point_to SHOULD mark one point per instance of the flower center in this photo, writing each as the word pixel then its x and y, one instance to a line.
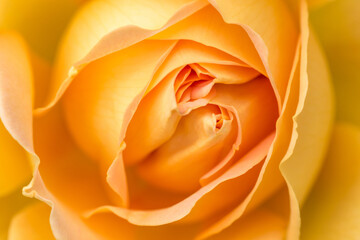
pixel 193 88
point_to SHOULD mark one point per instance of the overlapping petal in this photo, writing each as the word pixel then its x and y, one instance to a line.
pixel 16 98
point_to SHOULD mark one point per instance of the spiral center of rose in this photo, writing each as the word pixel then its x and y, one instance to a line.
pixel 189 124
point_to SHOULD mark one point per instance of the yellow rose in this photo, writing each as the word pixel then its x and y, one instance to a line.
pixel 174 120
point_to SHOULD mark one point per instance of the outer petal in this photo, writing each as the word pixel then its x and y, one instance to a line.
pixel 103 25
pixel 41 22
pixel 15 112
pixel 14 164
pixel 332 210
pixel 16 89
pixel 31 223
pixel 273 31
pixel 312 125
pixel 337 25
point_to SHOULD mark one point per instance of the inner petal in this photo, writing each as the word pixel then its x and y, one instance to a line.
pixel 194 89
pixel 192 151
pixel 256 107
pixel 95 103
pixel 153 123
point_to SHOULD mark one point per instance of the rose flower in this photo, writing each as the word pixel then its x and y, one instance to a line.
pixel 186 119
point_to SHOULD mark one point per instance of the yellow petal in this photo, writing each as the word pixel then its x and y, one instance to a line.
pixel 207 27
pixel 99 29
pixel 337 27
pixel 208 199
pixel 156 118
pixel 15 112
pixel 96 102
pixel 260 224
pixel 192 151
pixel 16 89
pixel 72 180
pixel 31 223
pixel 273 31
pixel 332 209
pixel 15 168
pixel 41 22
pixel 312 125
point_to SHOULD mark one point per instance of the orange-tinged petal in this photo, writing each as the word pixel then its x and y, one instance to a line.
pixel 272 29
pixel 193 150
pixel 16 89
pixel 15 112
pixel 208 28
pixel 231 74
pixel 256 120
pixel 73 183
pixel 15 167
pixel 197 206
pixel 332 208
pixel 260 224
pixel 31 223
pixel 189 52
pixel 270 178
pixel 153 110
pixel 104 32
pixel 96 102
pixel 154 121
pixel 314 114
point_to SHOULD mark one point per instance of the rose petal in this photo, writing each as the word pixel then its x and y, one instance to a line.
pixel 107 35
pixel 230 74
pixel 31 223
pixel 273 31
pixel 193 150
pixel 16 90
pixel 270 178
pixel 197 205
pixel 154 121
pixel 256 120
pixel 15 168
pixel 314 113
pixel 332 209
pixel 96 102
pixel 208 28
pixel 15 112
pixel 260 224
pixel 72 180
